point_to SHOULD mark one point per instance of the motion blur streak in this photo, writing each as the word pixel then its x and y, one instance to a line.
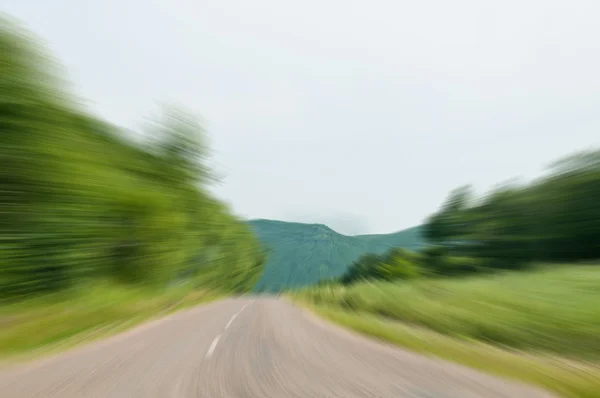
pixel 81 204
pixel 101 229
pixel 272 349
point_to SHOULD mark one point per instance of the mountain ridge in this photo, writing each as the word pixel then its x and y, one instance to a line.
pixel 302 254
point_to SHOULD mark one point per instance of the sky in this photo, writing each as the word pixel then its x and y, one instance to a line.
pixel 361 115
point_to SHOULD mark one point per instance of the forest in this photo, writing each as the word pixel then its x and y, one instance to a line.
pixel 552 219
pixel 84 201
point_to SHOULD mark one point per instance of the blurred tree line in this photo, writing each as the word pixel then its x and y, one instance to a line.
pixel 395 264
pixel 555 218
pixel 81 202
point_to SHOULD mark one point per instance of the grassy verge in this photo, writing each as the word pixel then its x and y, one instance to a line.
pixel 540 327
pixel 54 323
pixel 550 310
pixel 565 377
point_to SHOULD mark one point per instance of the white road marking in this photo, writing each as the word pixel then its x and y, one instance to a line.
pixel 231 321
pixel 213 346
pixel 235 315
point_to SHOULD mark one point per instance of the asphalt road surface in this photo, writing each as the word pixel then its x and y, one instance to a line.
pixel 252 348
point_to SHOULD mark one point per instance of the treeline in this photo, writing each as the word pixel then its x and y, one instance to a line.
pixel 406 264
pixel 81 202
pixel 395 264
pixel 555 218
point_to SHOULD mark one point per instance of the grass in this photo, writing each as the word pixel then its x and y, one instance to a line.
pixel 540 327
pixel 551 310
pixel 53 323
pixel 566 378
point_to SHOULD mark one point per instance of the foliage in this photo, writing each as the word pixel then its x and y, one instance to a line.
pixel 555 218
pixel 438 261
pixel 303 254
pixel 81 201
pixel 554 310
pixel 395 264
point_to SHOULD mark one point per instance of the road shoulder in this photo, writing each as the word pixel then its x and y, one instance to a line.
pixel 558 375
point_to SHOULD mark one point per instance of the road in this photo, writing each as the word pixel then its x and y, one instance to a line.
pixel 252 348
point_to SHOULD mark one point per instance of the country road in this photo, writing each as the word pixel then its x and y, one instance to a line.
pixel 252 348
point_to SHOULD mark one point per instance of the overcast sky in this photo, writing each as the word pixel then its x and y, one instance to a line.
pixel 358 114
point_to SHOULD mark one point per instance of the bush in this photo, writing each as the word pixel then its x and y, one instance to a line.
pixel 398 268
pixel 438 260
pixel 396 264
pixel 454 265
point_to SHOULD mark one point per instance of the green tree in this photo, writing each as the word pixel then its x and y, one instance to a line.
pixel 81 202
pixel 554 218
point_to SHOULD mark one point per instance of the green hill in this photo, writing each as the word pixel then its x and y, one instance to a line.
pixel 411 239
pixel 303 254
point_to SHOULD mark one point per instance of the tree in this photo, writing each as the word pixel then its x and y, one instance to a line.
pixel 81 202
pixel 448 223
pixel 554 218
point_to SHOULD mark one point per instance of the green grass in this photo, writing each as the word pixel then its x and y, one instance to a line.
pixel 304 254
pixel 563 377
pixel 541 327
pixel 552 310
pixel 53 323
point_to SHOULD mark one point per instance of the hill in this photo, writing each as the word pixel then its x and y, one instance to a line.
pixel 303 254
pixel 410 238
